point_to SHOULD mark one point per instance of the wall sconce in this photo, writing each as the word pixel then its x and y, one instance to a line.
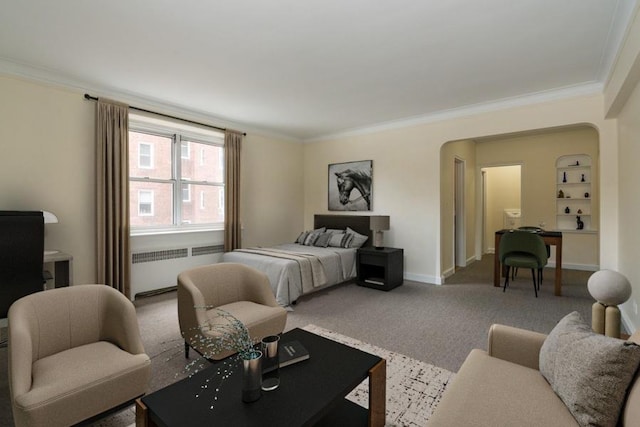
pixel 49 218
pixel 378 223
pixel 609 288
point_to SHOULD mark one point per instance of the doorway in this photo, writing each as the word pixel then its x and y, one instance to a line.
pixel 501 198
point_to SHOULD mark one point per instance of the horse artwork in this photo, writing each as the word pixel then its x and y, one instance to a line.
pixel 344 178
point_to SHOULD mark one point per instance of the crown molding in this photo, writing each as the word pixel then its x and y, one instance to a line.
pixel 56 79
pixel 53 78
pixel 590 88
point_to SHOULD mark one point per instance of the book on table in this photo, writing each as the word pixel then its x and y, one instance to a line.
pixel 292 352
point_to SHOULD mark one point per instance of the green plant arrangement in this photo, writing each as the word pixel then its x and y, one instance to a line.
pixel 229 334
pixel 224 332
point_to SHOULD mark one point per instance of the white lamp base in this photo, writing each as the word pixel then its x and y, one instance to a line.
pixel 378 239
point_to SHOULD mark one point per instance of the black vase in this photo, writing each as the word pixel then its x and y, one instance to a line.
pixel 580 223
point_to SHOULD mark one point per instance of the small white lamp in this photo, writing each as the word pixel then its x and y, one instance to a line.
pixel 378 223
pixel 49 218
pixel 609 288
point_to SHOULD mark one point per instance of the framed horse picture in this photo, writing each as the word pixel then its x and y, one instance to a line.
pixel 350 186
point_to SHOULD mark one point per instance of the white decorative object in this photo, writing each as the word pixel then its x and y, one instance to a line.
pixel 610 289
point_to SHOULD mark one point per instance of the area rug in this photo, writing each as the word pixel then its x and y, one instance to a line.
pixel 414 388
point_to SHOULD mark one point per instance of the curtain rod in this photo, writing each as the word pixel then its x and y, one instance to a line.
pixel 95 98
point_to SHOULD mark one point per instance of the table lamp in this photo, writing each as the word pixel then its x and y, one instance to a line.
pixel 609 288
pixel 49 218
pixel 378 223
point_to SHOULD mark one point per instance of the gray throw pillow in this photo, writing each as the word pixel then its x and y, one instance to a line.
pixel 358 239
pixel 588 371
pixel 323 240
pixel 301 237
pixel 340 240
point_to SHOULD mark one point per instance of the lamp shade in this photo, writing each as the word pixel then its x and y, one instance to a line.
pixel 609 287
pixel 49 218
pixel 379 222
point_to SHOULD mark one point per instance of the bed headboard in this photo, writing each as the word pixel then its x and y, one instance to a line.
pixel 359 223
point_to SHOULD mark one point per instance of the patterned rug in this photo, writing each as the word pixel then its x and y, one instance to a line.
pixel 414 388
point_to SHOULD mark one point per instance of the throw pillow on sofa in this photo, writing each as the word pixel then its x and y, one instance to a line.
pixel 588 371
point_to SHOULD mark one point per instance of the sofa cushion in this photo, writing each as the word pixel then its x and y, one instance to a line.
pixel 491 392
pixel 64 385
pixel 589 372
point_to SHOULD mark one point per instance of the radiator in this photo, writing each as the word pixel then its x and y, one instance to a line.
pixel 157 269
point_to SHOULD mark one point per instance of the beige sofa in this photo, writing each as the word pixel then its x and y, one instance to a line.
pixel 504 387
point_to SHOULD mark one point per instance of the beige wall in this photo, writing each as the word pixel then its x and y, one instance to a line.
pixel 47 162
pixel 502 186
pixel 272 191
pixel 622 95
pixel 465 151
pixel 629 128
pixel 407 173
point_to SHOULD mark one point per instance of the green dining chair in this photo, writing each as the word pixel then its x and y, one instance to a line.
pixel 523 249
pixel 532 229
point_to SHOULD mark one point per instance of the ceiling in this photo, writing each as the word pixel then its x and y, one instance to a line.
pixel 307 69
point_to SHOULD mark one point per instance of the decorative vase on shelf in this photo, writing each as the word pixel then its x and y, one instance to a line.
pixel 564 177
pixel 567 210
pixel 582 178
pixel 560 194
pixel 586 195
pixel 580 223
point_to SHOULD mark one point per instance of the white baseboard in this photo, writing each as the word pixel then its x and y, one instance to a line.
pixel 423 278
pixel 581 267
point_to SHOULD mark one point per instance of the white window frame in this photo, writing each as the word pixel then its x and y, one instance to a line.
pixel 178 133
pixel 202 204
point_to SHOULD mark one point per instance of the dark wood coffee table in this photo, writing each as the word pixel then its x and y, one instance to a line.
pixel 311 392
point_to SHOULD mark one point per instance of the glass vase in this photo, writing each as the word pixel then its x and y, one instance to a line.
pixel 252 377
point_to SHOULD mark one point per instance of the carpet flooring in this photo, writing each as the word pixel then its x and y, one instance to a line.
pixel 437 325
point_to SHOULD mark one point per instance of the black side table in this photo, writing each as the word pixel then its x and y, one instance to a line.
pixel 380 268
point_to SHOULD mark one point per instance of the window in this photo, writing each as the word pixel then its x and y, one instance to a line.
pixel 186 193
pixel 184 150
pixel 145 155
pixel 145 202
pixel 164 177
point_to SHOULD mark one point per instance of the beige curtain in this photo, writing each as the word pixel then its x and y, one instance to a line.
pixel 232 227
pixel 112 192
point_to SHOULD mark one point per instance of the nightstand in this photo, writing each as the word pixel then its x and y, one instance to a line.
pixel 380 268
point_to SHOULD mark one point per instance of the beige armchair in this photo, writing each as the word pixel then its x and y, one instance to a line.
pixel 240 290
pixel 74 353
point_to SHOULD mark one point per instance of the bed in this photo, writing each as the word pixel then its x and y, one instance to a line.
pixel 296 269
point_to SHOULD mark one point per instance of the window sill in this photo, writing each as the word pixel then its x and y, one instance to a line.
pixel 174 230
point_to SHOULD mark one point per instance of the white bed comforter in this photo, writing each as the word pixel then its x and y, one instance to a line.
pixel 287 280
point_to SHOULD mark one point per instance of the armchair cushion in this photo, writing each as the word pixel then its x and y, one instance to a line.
pixel 589 372
pixel 240 290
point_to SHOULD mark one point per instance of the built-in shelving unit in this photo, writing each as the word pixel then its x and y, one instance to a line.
pixel 573 193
